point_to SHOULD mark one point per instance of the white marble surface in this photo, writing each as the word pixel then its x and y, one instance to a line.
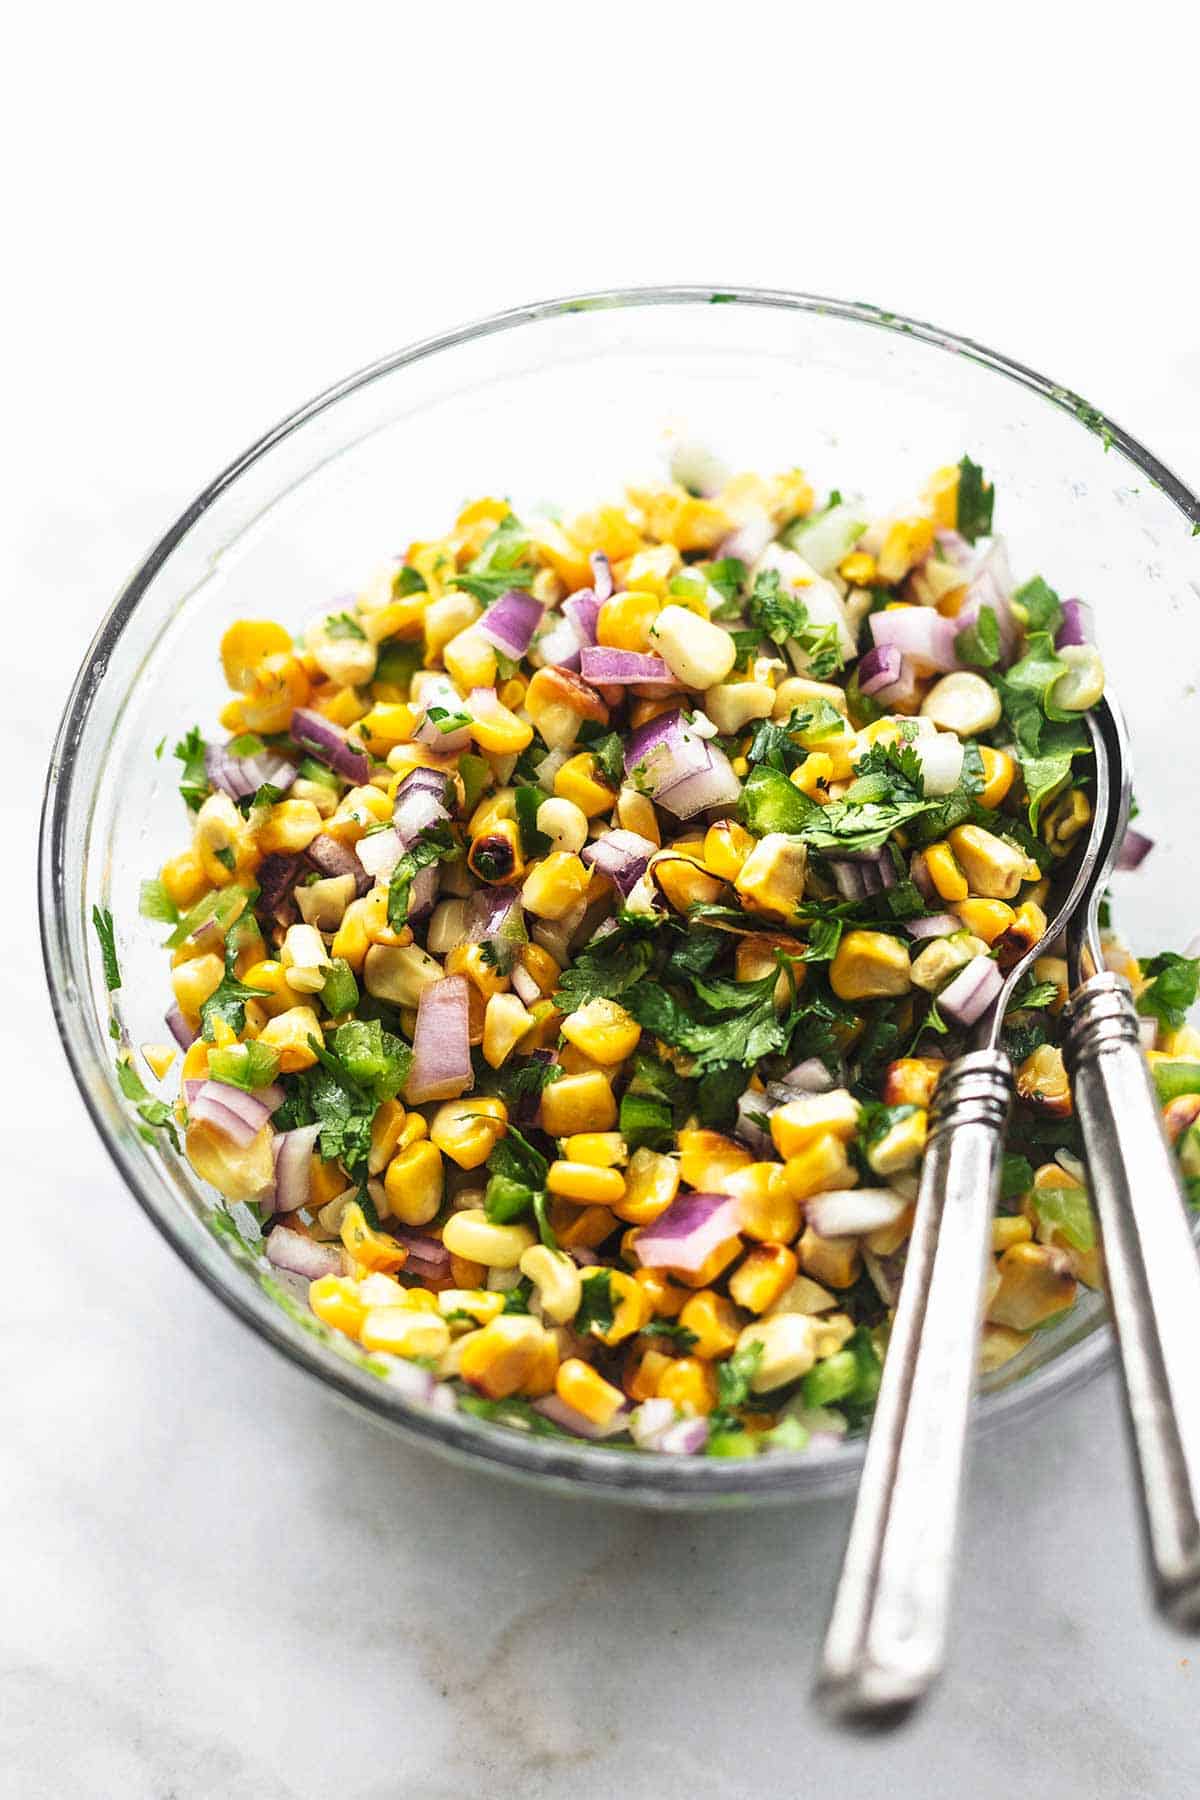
pixel 216 1584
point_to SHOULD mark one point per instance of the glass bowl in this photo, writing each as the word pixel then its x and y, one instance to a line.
pixel 567 401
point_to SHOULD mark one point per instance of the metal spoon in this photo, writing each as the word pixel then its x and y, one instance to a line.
pixel 886 1639
pixel 1152 1270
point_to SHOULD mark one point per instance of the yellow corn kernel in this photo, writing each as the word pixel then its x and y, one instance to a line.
pixel 326 1182
pixel 466 1273
pixel 350 940
pixel 991 867
pixel 404 1331
pixel 1042 1081
pixel 651 1183
pixel 578 1103
pixel 387 723
pixel 999 769
pixel 245 644
pixel 269 977
pixel 290 825
pixel 763 1278
pixel 911 1080
pixel 336 1301
pixel 630 1305
pixel 481 1304
pixel 766 1210
pixel 858 568
pixel 1035 1283
pixel 870 965
pixel 223 1034
pixel 585 1182
pixel 998 1345
pixel 1009 1231
pixel 834 1262
pixel 644 1368
pixel 690 1384
pixel 345 706
pixel 945 873
pixel 540 966
pixel 159 1058
pixel 986 919
pixel 940 494
pixel 183 878
pixel 506 1024
pixel 819 1169
pixel 387 1127
pixel 800 1122
pixel 1027 929
pixel 501 1358
pixel 472 1234
pixel 603 1030
pixel 707 1159
pixel 772 877
pixel 413 1183
pixel 602 1149
pixel 814 776
pixel 502 732
pixel 195 980
pixel 906 542
pixel 578 782
pixel 546 1021
pixel 578 1385
pixel 683 880
pixel 555 886
pixel 713 1321
pixel 726 847
pixel 557 1280
pixel 468 1130
pixel 580 1227
pixel 470 660
pixel 901 1146
pixel 357 811
pixel 635 812
pixel 373 1249
pixel 468 960
pixel 289 1033
pixel 624 621
pixel 665 1299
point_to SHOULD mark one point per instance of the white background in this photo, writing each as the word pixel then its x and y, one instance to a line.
pixel 213 1581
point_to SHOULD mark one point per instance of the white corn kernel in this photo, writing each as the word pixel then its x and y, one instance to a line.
pixel 734 703
pixel 564 823
pixel 471 1234
pixel 447 926
pixel 963 703
pixel 697 652
pixel 557 1280
pixel 305 959
pixel 1083 683
pixel 788 1342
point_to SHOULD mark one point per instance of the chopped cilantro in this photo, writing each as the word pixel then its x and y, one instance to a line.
pixel 193 784
pixel 978 644
pixel 155 1115
pixel 227 1002
pixel 1033 995
pixel 341 625
pixel 783 617
pixel 503 563
pixel 1172 988
pixel 607 967
pixel 975 502
pixel 407 581
pixel 519 1414
pixel 1016 1176
pixel 533 842
pixel 596 1310
pixel 672 1332
pixel 102 919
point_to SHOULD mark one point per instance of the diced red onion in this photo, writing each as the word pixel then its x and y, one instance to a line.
pixel 850 1212
pixel 413 1382
pixel 717 785
pixel 419 804
pixel 424 890
pixel 291 1250
pixel 935 926
pixel 379 852
pixel 649 1421
pixel 238 1114
pixel 621 668
pixel 441 1066
pixel 693 1226
pixel 902 695
pixel 559 1413
pixel 686 1438
pixel 848 878
pixel 751 1107
pixel 331 858
pixel 227 772
pixel 879 668
pixel 328 744
pixel 811 1076
pixel 179 1028
pixel 972 991
pixel 442 1398
pixel 991 585
pixel 1078 625
pixel 748 540
pixel 921 634
pixel 955 548
pixel 426 1255
pixel 664 751
pixel 583 609
pixel 510 622
pixel 560 645
pixel 621 855
pixel 293 1167
pixel 602 580
pixel 524 986
pixel 1135 848
pixel 487 913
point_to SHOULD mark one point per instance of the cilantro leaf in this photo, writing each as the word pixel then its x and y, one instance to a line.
pixel 672 1332
pixel 607 967
pixel 102 919
pixel 503 563
pixel 155 1115
pixel 734 1023
pixel 1033 995
pixel 596 1310
pixel 1040 606
pixel 783 617
pixel 975 502
pixel 1172 990
pixel 341 625
pixel 408 581
pixel 979 643
pixel 1016 1176
pixel 228 1002
pixel 193 784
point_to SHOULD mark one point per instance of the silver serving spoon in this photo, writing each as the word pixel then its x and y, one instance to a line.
pixel 1152 1270
pixel 887 1634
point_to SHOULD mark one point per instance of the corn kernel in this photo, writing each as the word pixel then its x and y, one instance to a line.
pixel 945 873
pixel 468 1130
pixel 413 1183
pixel 766 1210
pixel 834 1262
pixel 651 1183
pixel 502 1358
pixel 586 1183
pixel 690 1384
pixel 603 1149
pixel 578 782
pixel 578 1385
pixel 999 770
pixel 578 1103
pixel 814 776
pixel 764 1277
pixel 819 1168
pixel 373 1249
pixel 580 1227
pixel 336 1302
pixel 726 847
pixel 291 825
pixel 603 1030
pixel 800 1122
pixel 289 1032
pixel 404 1331
pixel 183 878
pixel 870 965
pixel 712 1320
pixel 665 1299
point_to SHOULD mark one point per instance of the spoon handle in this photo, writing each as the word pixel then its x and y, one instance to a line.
pixel 886 1638
pixel 1153 1277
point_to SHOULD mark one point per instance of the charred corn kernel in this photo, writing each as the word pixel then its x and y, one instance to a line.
pixel 579 782
pixel 697 652
pixel 901 1146
pixel 1027 929
pixel 991 867
pixel 651 1183
pixel 413 1183
pixel 603 1030
pixel 373 1249
pixel 336 1301
pixel 1042 1081
pixel 999 769
pixel 814 775
pixel 635 812
pixel 501 731
pixel 624 621
pixel 870 965
pixel 665 1299
pixel 800 1122
pixel 557 1280
pixel 578 1385
pixel 554 886
pixel 404 1331
pixel 291 825
pixel 399 974
pixel 194 981
pixel 1009 1231
pixel 690 1384
pixel 472 1234
pixel 819 1168
pixel 505 1024
pixel 945 873
pixel 834 1262
pixel 586 1183
pixel 859 568
pixel 495 855
pixel 772 877
pixel 713 1321
pixel 602 1149
pixel 501 1359
pixel 470 660
pixel 726 847
pixel 467 1131
pixel 766 1209
pixel 911 1080
pixel 707 1158
pixel 762 1278
pixel 985 919
pixel 578 1103
pixel 788 1350
pixel 480 1304
pixel 184 878
pixel 1035 1283
pixel 580 1227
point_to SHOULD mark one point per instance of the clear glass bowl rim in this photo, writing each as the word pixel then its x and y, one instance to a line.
pixel 554 1463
